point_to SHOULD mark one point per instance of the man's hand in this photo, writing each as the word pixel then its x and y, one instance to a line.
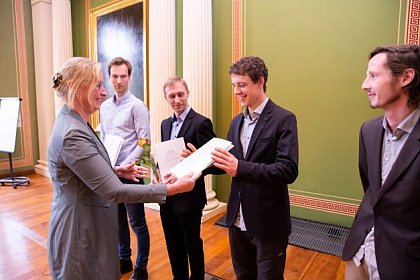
pixel 225 161
pixel 169 178
pixel 187 152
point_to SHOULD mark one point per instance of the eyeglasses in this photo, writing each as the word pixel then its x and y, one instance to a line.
pixel 100 85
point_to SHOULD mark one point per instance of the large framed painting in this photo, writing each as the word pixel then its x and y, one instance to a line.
pixel 120 29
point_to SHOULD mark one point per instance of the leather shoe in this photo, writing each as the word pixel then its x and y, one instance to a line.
pixel 125 266
pixel 140 273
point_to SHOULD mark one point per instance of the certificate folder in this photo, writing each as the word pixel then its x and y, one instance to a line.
pixel 113 145
pixel 168 154
pixel 200 159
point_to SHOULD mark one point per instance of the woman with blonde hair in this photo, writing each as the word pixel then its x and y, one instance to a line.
pixel 83 229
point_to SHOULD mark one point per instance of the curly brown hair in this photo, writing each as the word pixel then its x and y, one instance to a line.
pixel 252 66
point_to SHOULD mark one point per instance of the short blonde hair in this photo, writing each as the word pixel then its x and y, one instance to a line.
pixel 75 73
pixel 172 80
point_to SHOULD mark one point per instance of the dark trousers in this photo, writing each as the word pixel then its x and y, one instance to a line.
pixel 138 223
pixel 253 258
pixel 183 241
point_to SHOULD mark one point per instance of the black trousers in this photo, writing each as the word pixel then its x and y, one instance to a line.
pixel 183 241
pixel 253 258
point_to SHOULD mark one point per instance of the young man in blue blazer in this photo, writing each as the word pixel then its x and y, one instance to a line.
pixel 263 161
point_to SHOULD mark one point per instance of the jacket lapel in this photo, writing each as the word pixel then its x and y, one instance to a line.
pixel 101 148
pixel 166 128
pixel 407 154
pixel 236 135
pixel 100 145
pixel 374 158
pixel 264 118
pixel 186 123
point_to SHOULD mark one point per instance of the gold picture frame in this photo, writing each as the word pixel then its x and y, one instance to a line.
pixel 119 28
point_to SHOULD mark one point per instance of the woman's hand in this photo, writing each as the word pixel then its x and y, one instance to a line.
pixel 132 171
pixel 183 184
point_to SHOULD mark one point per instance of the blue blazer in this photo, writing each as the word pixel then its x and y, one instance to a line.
pixel 271 163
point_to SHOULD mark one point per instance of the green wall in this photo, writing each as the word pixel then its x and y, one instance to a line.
pixel 317 56
pixel 79 23
pixel 31 84
pixel 9 76
pixel 179 37
pixel 8 56
pixel 222 58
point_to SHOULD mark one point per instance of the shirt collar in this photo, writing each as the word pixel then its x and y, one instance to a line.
pixel 257 112
pixel 123 98
pixel 407 125
pixel 182 116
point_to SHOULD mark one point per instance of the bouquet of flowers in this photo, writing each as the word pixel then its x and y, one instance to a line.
pixel 146 157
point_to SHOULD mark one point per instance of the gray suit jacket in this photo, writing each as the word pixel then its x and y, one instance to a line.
pixel 83 230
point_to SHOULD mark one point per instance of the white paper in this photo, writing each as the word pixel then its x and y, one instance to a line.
pixel 168 154
pixel 9 112
pixel 200 159
pixel 113 145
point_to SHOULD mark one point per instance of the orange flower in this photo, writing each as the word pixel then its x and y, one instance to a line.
pixel 146 158
pixel 143 141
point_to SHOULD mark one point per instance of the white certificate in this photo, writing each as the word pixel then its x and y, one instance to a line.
pixel 113 145
pixel 200 159
pixel 168 154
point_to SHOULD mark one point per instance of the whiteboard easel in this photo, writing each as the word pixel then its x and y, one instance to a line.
pixel 9 113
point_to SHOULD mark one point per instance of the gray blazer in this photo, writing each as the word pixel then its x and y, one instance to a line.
pixel 83 230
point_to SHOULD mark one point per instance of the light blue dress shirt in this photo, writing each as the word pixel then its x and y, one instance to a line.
pixel 177 122
pixel 128 118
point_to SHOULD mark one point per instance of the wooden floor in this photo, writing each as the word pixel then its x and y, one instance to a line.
pixel 24 215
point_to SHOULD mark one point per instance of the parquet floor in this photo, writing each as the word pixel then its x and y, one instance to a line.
pixel 24 215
